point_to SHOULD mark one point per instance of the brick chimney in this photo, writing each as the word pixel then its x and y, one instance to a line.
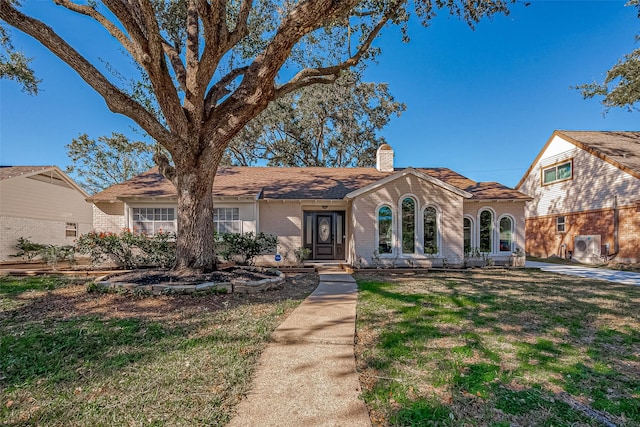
pixel 384 158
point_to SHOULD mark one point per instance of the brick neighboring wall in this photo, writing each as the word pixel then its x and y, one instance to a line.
pixel 543 240
pixel 108 217
pixel 37 230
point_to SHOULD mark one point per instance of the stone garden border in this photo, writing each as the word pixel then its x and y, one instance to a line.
pixel 234 286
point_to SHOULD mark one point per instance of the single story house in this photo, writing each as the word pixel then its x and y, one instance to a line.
pixel 361 216
pixel 585 187
pixel 41 204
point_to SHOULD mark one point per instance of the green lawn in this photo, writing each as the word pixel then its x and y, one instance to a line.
pixel 72 358
pixel 498 349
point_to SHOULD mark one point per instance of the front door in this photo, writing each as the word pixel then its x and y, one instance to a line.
pixel 324 234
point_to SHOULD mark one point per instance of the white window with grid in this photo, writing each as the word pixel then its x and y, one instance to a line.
pixel 71 229
pixel 227 220
pixel 150 221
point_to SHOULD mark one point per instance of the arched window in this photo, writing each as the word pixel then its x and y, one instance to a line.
pixel 408 225
pixel 430 231
pixel 467 230
pixel 385 230
pixel 506 234
pixel 486 231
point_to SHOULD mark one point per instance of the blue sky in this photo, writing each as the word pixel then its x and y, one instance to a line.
pixel 482 102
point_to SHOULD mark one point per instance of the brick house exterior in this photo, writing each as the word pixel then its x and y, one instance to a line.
pixel 586 191
pixel 361 216
pixel 42 204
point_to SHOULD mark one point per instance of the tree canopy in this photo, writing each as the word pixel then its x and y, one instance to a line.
pixel 335 126
pixel 108 160
pixel 621 86
pixel 214 65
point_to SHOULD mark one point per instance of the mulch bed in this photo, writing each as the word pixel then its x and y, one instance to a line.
pixel 167 277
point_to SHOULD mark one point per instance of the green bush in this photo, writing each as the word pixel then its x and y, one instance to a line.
pixel 129 250
pixel 27 249
pixel 51 254
pixel 244 248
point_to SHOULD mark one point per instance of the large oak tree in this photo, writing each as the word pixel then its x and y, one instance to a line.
pixel 213 65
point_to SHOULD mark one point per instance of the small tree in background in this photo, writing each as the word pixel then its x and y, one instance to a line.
pixel 108 160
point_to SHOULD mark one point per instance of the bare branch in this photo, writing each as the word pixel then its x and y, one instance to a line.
pixel 310 76
pixel 219 90
pixel 116 100
pixel 107 24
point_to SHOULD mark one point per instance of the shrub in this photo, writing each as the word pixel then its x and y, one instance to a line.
pixel 27 249
pixel 302 254
pixel 51 254
pixel 244 248
pixel 129 250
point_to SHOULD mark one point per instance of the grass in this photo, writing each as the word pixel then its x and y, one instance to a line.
pixel 70 358
pixel 498 349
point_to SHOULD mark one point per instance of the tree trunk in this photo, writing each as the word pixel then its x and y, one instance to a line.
pixel 195 241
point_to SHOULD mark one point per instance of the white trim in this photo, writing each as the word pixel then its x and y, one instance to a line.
pixel 513 233
pixel 493 228
pixel 438 228
pixel 129 214
pixel 405 172
pixel 417 245
pixel 394 239
pixel 473 243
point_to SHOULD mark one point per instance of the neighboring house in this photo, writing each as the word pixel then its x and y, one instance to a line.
pixel 42 204
pixel 362 216
pixel 586 191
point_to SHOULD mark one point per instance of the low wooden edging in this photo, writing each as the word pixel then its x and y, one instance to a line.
pixel 234 286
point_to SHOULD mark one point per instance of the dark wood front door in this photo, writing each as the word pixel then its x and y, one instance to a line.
pixel 324 234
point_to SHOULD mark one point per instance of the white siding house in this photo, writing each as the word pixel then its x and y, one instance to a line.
pixel 42 204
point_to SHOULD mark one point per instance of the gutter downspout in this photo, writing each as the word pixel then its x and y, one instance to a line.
pixel 616 226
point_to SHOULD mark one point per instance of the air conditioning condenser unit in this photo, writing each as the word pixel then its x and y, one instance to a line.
pixel 586 249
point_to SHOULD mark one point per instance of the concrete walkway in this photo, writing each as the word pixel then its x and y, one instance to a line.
pixel 307 374
pixel 625 277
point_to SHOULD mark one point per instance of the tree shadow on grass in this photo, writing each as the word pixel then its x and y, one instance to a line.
pixel 544 320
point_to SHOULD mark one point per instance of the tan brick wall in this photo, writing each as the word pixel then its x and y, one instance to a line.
pixel 109 217
pixel 282 219
pixel 515 210
pixel 543 240
pixel 36 230
pixel 364 221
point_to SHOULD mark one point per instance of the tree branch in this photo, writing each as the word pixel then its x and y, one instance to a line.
pixel 219 89
pixel 310 76
pixel 108 25
pixel 116 100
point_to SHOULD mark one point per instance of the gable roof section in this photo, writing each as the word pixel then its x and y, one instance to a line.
pixel 404 172
pixel 50 174
pixel 619 148
pixel 296 183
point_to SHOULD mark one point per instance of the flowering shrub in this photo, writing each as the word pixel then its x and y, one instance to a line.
pixel 129 250
pixel 244 248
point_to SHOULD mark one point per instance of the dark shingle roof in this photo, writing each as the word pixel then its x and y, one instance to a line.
pixel 618 147
pixel 282 183
pixel 7 172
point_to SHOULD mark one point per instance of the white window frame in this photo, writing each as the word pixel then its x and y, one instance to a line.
pixel 561 222
pixel 416 226
pixel 512 231
pixel 71 229
pixel 438 229
pixel 393 231
pixel 168 211
pixel 492 249
pixel 472 233
pixel 556 166
pixel 235 222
